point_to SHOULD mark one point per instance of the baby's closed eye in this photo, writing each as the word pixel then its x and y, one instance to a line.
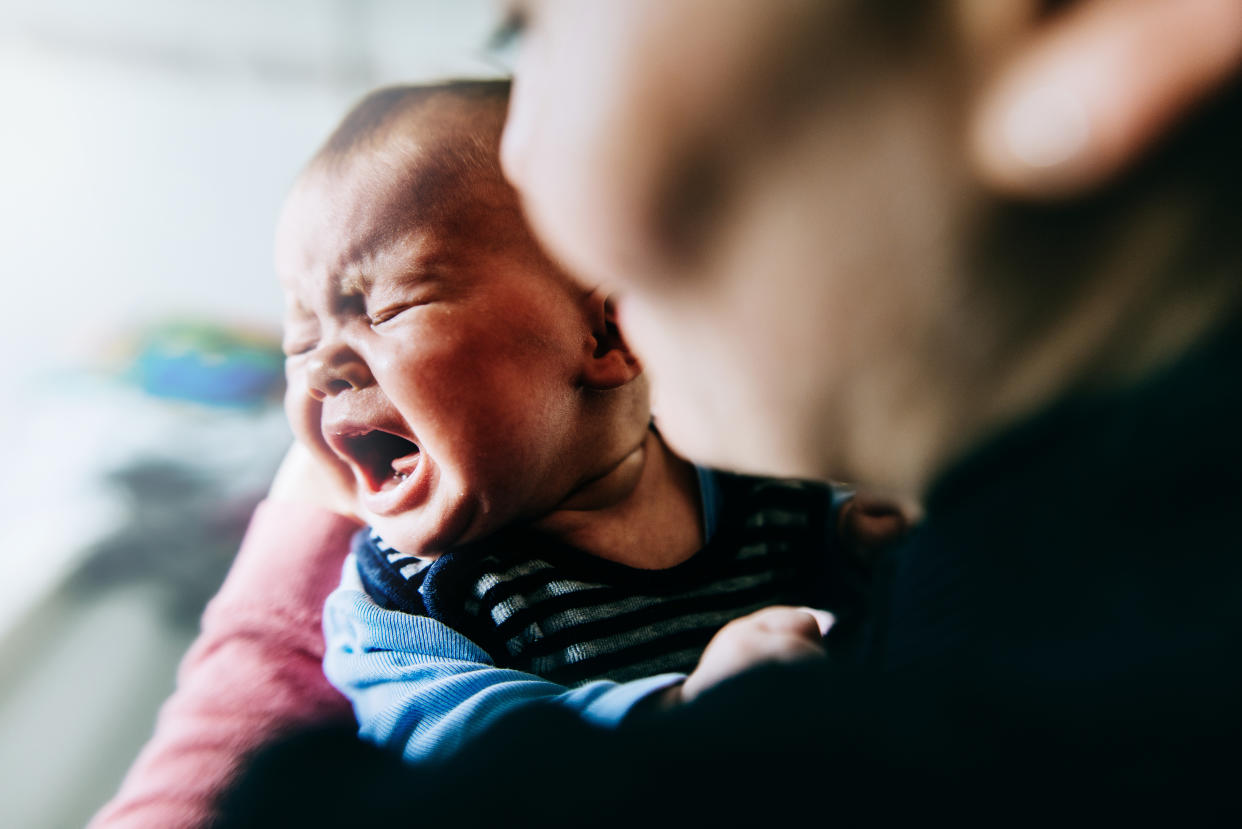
pixel 389 301
pixel 390 312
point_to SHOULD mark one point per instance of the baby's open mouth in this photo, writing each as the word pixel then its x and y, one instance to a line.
pixel 384 459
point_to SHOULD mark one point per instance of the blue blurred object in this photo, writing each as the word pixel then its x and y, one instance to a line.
pixel 208 363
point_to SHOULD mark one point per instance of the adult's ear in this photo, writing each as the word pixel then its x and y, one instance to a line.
pixel 1088 89
pixel 608 363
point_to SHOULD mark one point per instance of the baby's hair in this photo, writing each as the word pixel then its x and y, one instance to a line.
pixel 375 119
pixel 430 140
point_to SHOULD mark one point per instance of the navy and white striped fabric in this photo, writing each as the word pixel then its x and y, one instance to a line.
pixel 539 606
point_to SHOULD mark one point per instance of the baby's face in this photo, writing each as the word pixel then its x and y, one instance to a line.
pixel 433 352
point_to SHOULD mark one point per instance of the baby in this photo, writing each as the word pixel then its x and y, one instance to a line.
pixel 532 538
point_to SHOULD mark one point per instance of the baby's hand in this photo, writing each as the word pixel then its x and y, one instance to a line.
pixel 774 634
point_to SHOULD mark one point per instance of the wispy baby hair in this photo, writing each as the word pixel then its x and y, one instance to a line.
pixel 375 119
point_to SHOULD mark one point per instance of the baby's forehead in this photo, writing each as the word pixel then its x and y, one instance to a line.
pixel 437 138
pixel 408 197
pixel 434 189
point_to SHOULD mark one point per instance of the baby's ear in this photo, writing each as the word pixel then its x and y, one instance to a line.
pixel 608 361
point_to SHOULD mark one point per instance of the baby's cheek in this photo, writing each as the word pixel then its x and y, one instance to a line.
pixel 303 413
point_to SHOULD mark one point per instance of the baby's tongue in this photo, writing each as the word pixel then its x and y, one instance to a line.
pixel 405 465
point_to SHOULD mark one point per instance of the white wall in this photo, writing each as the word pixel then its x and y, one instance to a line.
pixel 146 145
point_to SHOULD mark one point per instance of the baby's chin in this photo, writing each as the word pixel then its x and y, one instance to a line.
pixel 411 540
pixel 425 532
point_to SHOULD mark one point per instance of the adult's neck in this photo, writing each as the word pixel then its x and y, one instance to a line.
pixel 974 387
pixel 642 512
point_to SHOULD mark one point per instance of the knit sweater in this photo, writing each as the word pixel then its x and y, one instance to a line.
pixel 252 674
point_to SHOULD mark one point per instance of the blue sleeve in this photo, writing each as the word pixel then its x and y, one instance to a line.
pixel 419 686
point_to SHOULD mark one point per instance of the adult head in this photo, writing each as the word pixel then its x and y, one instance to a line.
pixel 805 208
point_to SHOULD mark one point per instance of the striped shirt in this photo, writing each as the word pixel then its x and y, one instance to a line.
pixel 539 606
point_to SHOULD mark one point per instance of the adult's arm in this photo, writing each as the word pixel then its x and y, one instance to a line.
pixel 419 687
pixel 253 673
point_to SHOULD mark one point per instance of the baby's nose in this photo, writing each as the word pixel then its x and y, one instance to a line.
pixel 336 369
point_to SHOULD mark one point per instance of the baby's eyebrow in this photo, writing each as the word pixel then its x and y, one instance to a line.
pixel 417 256
pixel 347 287
pixel 354 282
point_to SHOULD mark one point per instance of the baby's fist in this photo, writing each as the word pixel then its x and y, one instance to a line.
pixel 774 634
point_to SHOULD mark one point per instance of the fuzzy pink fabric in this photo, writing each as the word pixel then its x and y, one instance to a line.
pixel 253 673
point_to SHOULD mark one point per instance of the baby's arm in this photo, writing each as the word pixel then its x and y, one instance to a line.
pixel 419 686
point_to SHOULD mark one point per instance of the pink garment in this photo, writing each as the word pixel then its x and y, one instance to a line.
pixel 254 672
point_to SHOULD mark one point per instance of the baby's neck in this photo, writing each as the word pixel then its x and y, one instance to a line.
pixel 644 512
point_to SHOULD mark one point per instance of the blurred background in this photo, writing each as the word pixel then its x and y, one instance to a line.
pixel 145 147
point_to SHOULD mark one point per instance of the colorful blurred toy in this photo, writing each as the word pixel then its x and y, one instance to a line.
pixel 207 363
